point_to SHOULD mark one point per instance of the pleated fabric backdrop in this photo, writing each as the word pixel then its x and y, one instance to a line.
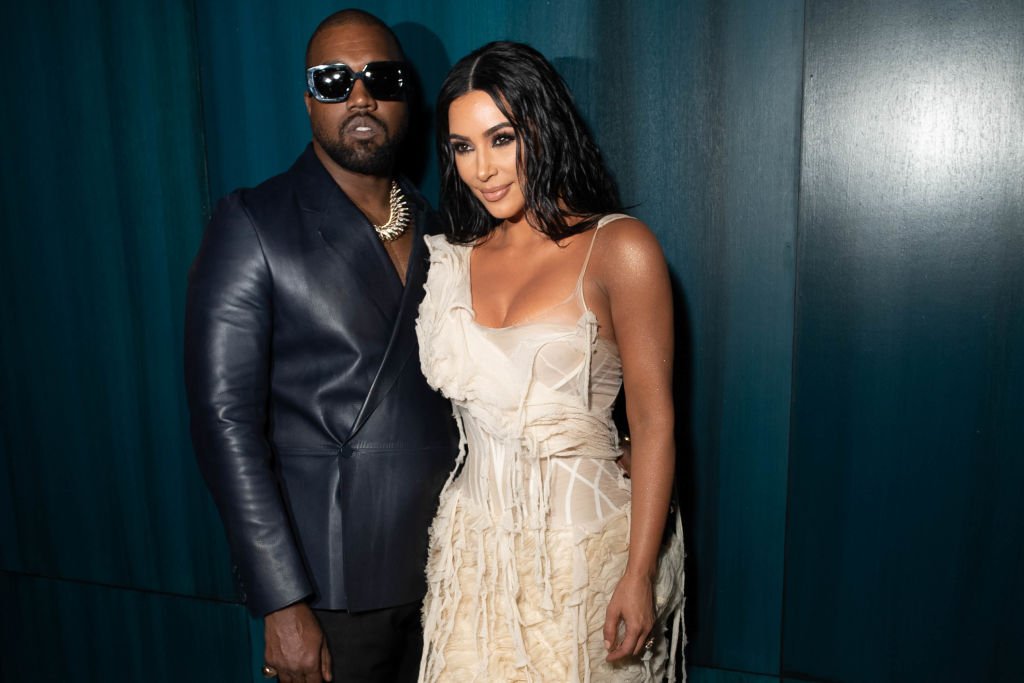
pixel 112 556
pixel 838 190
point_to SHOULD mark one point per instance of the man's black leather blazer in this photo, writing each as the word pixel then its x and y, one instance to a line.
pixel 320 440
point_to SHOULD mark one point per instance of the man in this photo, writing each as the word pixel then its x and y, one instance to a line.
pixel 321 442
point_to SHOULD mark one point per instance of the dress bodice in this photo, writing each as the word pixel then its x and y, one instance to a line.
pixel 533 400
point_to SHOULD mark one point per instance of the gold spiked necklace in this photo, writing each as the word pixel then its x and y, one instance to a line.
pixel 398 218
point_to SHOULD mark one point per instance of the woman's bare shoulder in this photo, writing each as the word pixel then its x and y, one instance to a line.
pixel 627 243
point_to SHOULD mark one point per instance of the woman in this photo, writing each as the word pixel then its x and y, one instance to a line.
pixel 545 564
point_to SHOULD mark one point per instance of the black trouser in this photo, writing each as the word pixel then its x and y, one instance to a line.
pixel 380 646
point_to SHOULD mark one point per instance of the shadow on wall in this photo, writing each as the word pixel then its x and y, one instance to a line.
pixel 430 64
pixel 686 475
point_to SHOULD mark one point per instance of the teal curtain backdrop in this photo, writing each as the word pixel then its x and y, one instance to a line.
pixel 839 189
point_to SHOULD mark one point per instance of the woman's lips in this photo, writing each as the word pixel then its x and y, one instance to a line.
pixel 497 194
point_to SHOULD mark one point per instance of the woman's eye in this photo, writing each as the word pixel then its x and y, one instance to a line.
pixel 504 139
pixel 461 147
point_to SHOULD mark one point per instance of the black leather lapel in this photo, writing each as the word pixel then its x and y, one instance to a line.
pixel 349 236
pixel 403 337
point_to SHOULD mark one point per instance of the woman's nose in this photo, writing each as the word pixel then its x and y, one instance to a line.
pixel 484 167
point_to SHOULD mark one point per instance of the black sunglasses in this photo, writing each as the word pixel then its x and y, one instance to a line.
pixel 334 82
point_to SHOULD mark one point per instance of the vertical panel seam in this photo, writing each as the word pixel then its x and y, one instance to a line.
pixel 798 197
pixel 203 147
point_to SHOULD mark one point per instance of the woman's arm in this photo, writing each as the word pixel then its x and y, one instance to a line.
pixel 630 269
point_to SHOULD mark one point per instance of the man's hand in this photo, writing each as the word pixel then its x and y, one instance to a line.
pixel 625 461
pixel 296 647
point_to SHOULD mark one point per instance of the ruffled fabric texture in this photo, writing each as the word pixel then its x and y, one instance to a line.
pixel 531 534
pixel 439 362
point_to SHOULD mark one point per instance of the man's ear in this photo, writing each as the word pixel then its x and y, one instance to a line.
pixel 309 102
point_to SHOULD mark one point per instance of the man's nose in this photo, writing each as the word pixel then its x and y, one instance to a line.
pixel 360 97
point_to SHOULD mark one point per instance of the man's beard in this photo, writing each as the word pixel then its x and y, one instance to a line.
pixel 367 157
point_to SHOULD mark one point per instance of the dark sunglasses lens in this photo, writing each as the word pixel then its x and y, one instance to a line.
pixel 333 83
pixel 385 81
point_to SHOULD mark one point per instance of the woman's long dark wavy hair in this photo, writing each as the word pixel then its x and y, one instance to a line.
pixel 561 165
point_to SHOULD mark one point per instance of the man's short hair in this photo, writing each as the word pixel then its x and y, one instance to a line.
pixel 351 16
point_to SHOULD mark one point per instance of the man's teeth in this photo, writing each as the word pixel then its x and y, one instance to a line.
pixel 362 129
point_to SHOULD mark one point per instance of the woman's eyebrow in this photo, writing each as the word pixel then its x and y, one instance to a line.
pixel 495 128
pixel 487 133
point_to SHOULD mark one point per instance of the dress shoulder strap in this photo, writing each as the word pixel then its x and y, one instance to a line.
pixel 609 217
pixel 605 220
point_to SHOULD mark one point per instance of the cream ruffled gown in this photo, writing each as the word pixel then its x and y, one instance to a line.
pixel 532 530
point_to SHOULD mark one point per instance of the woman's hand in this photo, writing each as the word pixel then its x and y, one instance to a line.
pixel 632 603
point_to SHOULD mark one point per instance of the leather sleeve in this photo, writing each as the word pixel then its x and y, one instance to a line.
pixel 228 326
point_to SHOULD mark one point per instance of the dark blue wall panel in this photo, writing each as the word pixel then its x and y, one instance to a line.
pixel 112 561
pixel 731 226
pixel 697 674
pixel 68 631
pixel 102 195
pixel 906 521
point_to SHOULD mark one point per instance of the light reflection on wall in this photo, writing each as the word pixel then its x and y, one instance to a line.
pixel 952 138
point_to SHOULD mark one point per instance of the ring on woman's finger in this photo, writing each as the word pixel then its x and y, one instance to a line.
pixel 649 643
pixel 268 671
